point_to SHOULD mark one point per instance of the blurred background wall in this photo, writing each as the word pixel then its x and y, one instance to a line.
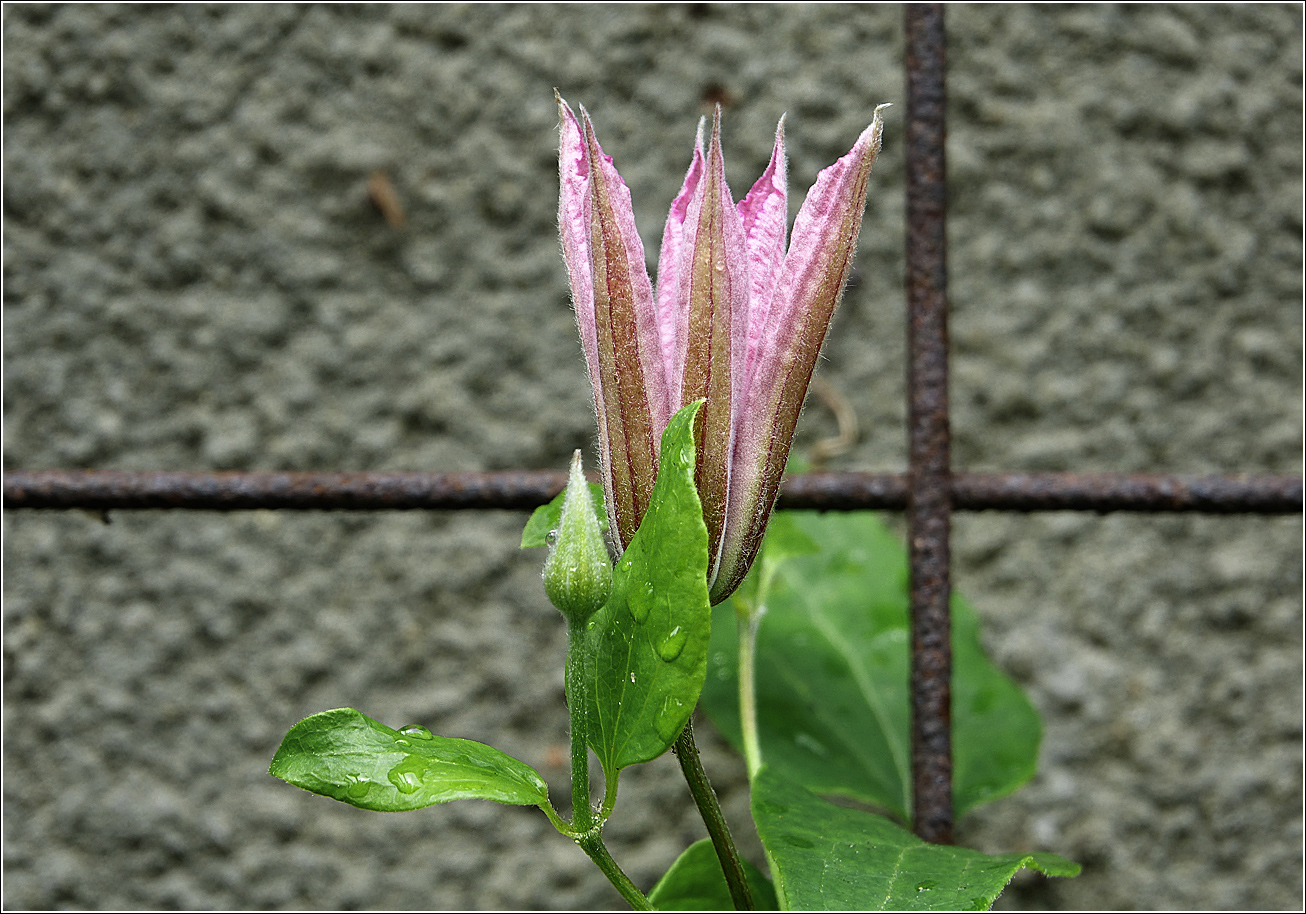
pixel 194 278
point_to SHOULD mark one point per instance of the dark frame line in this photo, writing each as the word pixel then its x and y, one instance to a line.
pixel 929 491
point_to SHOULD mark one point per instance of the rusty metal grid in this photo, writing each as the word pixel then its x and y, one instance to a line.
pixel 929 492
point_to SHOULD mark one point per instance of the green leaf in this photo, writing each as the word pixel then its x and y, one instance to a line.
pixel 545 519
pixel 349 757
pixel 825 857
pixel 648 645
pixel 695 883
pixel 832 657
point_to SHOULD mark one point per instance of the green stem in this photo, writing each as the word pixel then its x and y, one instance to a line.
pixel 748 690
pixel 710 809
pixel 584 829
pixel 582 813
pixel 609 799
pixel 592 844
pixel 547 808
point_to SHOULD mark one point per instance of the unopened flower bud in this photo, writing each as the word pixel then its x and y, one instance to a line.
pixel 737 320
pixel 578 573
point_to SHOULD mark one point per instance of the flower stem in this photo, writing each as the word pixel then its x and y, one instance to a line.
pixel 748 690
pixel 710 809
pixel 583 828
pixel 592 844
pixel 582 813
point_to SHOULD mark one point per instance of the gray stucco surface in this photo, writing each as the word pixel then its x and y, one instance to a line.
pixel 193 278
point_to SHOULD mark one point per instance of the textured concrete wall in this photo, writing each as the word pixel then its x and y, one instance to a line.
pixel 193 279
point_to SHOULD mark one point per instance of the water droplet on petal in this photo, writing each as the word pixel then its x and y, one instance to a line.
pixel 673 645
pixel 416 731
pixel 720 266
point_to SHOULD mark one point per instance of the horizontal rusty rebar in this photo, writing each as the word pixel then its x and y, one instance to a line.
pixel 101 490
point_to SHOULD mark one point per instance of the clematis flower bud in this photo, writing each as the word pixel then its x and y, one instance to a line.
pixel 739 318
pixel 577 573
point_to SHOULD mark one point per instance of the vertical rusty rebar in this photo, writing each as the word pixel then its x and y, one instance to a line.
pixel 929 505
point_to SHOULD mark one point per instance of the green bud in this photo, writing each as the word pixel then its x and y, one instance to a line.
pixel 577 573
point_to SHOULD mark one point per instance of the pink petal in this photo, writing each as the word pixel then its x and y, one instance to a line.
pixel 765 213
pixel 810 285
pixel 618 324
pixel 673 319
pixel 713 293
pixel 573 223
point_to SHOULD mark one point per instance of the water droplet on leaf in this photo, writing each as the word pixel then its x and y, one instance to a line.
pixel 416 731
pixel 811 744
pixel 640 600
pixel 357 787
pixel 407 775
pixel 673 645
pixel 670 719
pixel 796 840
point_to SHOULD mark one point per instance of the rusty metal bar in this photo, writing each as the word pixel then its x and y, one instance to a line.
pixel 1102 492
pixel 102 490
pixel 1030 492
pixel 929 491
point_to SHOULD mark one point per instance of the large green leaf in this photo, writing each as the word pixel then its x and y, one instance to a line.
pixel 349 757
pixel 695 882
pixel 648 645
pixel 828 858
pixel 832 658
